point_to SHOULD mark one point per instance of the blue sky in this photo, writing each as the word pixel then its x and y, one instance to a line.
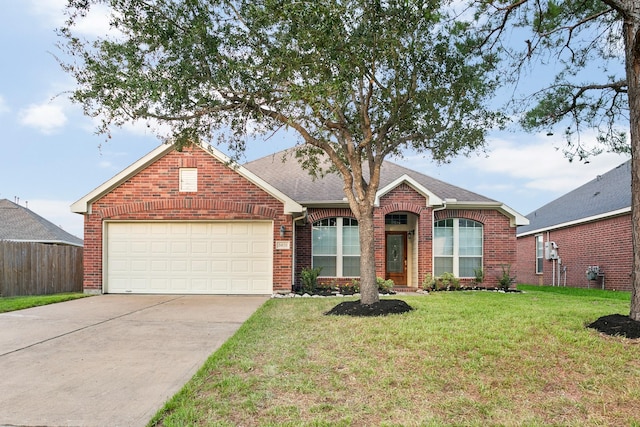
pixel 50 156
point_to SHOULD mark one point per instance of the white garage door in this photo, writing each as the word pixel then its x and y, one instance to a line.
pixel 189 257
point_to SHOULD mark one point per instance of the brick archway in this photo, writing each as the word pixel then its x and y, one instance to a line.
pixel 187 204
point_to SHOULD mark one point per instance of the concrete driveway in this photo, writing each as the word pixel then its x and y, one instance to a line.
pixel 108 360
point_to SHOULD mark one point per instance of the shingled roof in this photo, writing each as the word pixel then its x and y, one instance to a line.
pixel 18 223
pixel 608 194
pixel 289 177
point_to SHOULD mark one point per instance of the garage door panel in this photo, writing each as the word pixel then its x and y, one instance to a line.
pixel 184 257
pixel 260 267
pixel 240 248
pixel 199 247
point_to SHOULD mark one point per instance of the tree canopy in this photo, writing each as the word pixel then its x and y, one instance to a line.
pixel 581 43
pixel 580 36
pixel 357 80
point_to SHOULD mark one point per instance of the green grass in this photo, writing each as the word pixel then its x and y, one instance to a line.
pixel 20 303
pixel 579 292
pixel 459 358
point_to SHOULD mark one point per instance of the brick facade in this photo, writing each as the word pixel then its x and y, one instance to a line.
pixel 153 194
pixel 499 235
pixel 605 243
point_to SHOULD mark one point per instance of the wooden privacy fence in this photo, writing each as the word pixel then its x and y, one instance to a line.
pixel 39 269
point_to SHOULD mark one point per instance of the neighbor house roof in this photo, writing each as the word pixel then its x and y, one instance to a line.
pixel 17 223
pixel 606 195
pixel 284 172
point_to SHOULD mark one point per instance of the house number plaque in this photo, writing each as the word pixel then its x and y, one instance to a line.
pixel 283 244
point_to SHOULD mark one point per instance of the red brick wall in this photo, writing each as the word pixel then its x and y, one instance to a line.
pixel 405 199
pixel 606 243
pixel 499 241
pixel 153 194
pixel 499 236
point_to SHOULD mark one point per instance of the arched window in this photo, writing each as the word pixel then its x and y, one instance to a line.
pixel 457 247
pixel 336 247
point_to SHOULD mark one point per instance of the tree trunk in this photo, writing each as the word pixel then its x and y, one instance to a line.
pixel 368 285
pixel 631 33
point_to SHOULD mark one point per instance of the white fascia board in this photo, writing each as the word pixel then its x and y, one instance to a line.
pixel 290 205
pixel 515 217
pixel 433 200
pixel 605 215
pixel 83 205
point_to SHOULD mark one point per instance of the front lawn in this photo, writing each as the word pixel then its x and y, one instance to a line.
pixel 461 358
pixel 20 303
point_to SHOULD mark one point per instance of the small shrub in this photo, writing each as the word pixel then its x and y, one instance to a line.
pixel 309 279
pixel 478 275
pixel 450 281
pixel 349 288
pixel 384 286
pixel 446 282
pixel 506 280
pixel 428 283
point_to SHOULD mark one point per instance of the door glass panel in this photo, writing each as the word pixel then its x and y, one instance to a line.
pixel 395 253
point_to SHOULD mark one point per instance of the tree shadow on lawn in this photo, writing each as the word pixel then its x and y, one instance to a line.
pixel 617 325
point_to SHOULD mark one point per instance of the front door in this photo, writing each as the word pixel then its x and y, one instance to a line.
pixel 396 256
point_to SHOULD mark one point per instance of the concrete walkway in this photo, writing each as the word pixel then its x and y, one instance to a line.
pixel 108 360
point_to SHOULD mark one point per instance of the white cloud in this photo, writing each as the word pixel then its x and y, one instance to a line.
pixel 524 171
pixel 95 24
pixel 539 165
pixel 4 108
pixel 46 117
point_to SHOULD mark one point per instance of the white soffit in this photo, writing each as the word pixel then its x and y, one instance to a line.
pixel 433 200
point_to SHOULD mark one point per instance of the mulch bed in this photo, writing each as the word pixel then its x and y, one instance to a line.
pixel 380 308
pixel 617 325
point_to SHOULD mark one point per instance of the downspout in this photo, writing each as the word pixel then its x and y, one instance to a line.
pixel 293 246
pixel 553 264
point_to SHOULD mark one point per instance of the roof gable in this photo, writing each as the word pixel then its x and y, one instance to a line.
pixel 83 205
pixel 431 198
pixel 284 172
pixel 606 195
pixel 20 224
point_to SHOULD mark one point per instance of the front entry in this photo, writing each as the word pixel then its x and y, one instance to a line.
pixel 396 257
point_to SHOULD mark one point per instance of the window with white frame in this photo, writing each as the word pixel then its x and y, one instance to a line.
pixel 336 247
pixel 539 253
pixel 457 247
pixel 188 179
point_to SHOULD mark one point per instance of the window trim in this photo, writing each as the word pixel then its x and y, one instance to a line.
pixel 339 254
pixel 539 250
pixel 188 178
pixel 455 256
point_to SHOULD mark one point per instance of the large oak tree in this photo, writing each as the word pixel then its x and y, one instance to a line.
pixel 356 80
pixel 595 46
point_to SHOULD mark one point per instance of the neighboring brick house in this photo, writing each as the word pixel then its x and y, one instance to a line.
pixel 587 227
pixel 192 222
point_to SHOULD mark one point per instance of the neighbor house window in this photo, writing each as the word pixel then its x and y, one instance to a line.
pixel 336 247
pixel 539 253
pixel 457 247
pixel 188 179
